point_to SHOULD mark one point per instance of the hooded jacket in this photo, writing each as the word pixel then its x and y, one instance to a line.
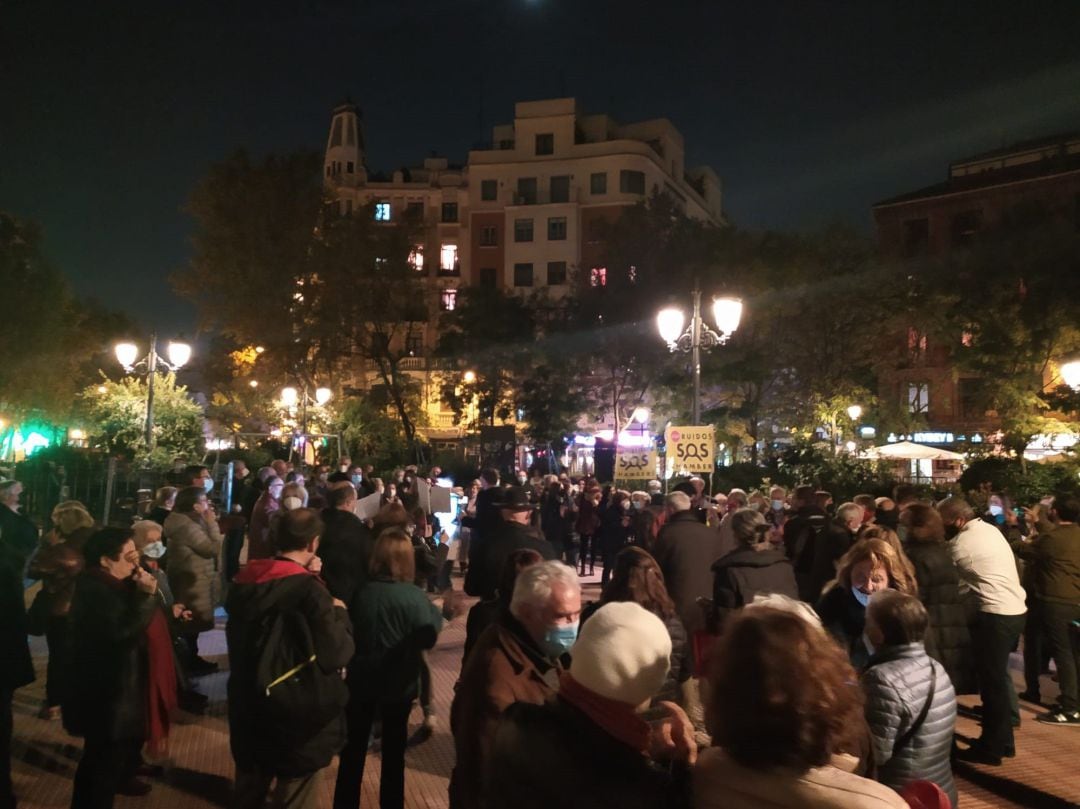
pixel 745 572
pixel 897 685
pixel 267 585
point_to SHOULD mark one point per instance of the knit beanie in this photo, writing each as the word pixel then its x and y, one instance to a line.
pixel 623 652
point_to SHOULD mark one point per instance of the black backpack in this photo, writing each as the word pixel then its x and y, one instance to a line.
pixel 293 691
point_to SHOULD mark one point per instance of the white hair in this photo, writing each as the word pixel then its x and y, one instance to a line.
pixel 654 486
pixel 781 602
pixel 849 510
pixel 535 583
pixel 678 501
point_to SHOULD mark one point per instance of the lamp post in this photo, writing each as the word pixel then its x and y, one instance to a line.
pixel 727 313
pixel 178 356
pixel 291 397
pixel 1070 374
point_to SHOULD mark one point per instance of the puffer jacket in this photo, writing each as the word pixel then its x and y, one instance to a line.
pixel 897 685
pixel 194 549
pixel 948 639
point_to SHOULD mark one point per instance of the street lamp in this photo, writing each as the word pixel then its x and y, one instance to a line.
pixel 1070 374
pixel 727 312
pixel 291 397
pixel 178 355
pixel 854 412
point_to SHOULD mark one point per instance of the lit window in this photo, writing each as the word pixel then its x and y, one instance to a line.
pixel 382 211
pixel 967 338
pixel 448 300
pixel 916 342
pixel 416 258
pixel 598 276
pixel 632 274
pixel 448 258
pixel 919 397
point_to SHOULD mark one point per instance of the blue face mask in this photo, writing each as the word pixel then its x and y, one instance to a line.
pixel 996 510
pixel 558 639
pixel 356 480
pixel 860 596
pixel 777 505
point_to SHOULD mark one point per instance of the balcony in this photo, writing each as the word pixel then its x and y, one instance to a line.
pixel 544 198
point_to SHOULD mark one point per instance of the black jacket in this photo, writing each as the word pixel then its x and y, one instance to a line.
pixel 614 536
pixel 745 572
pixel 345 549
pixel 552 755
pixel 845 619
pixel 510 537
pixel 264 586
pixel 948 639
pixel 829 546
pixel 17 668
pixel 107 696
pixel 685 551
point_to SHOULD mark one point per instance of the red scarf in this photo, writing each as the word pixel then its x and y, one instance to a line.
pixel 618 719
pixel 161 677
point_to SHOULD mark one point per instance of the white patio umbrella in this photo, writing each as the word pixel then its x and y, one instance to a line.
pixel 910 451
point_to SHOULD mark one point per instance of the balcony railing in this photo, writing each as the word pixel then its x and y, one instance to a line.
pixel 544 198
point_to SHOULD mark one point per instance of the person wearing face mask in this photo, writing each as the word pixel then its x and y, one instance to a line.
pixel 593 733
pixel 195 544
pixel 517 659
pixel 259 546
pixel 114 604
pixel 871 565
pixel 987 568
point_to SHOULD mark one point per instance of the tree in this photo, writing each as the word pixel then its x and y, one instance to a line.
pixel 51 342
pixel 116 413
pixel 370 435
pixel 276 266
pixel 552 403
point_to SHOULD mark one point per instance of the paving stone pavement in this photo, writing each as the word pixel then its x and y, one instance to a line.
pixel 1045 772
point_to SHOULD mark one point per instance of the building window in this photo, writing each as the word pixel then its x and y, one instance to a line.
pixel 489 190
pixel 556 228
pixel 598 183
pixel 414 343
pixel 523 230
pixel 416 258
pixel 448 300
pixel 414 210
pixel 489 236
pixel 560 188
pixel 919 397
pixel 449 212
pixel 965 225
pixel 556 273
pixel 545 143
pixel 916 237
pixel 526 192
pixel 349 167
pixel 631 182
pixel 448 259
pixel 523 275
pixel 348 207
pixel 598 277
pixel 382 211
pixel 489 277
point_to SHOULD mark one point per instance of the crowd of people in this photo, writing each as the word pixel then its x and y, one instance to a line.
pixel 746 649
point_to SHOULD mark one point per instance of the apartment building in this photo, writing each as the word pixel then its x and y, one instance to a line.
pixel 932 221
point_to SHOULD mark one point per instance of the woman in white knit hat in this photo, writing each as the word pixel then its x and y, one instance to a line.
pixel 591 747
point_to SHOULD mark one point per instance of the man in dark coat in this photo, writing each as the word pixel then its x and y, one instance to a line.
pixel 686 550
pixel 484 526
pixel 829 546
pixel 114 602
pixel 346 544
pixel 800 535
pixel 17 669
pixel 265 747
pixel 514 533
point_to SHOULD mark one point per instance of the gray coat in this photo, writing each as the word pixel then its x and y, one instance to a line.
pixel 897 684
pixel 194 549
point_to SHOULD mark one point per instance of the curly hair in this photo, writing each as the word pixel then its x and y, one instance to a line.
pixel 878 551
pixel 780 692
pixel 637 577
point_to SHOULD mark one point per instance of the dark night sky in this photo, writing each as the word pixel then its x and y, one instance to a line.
pixel 808 110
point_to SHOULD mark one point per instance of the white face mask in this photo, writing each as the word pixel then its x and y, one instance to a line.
pixel 155 550
pixel 860 596
pixel 292 503
pixel 208 485
pixel 996 510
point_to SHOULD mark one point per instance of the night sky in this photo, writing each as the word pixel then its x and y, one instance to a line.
pixel 809 110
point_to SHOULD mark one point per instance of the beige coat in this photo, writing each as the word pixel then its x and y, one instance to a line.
pixel 720 783
pixel 194 551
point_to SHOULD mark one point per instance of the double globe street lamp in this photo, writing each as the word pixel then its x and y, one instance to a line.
pixel 291 397
pixel 727 312
pixel 178 354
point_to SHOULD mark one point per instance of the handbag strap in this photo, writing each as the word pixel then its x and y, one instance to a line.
pixel 911 731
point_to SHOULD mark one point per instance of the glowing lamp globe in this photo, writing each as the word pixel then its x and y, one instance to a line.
pixel 179 353
pixel 126 353
pixel 670 324
pixel 323 395
pixel 854 412
pixel 727 312
pixel 1070 374
pixel 289 396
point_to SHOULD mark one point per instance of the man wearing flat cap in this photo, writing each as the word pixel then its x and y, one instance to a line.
pixel 514 532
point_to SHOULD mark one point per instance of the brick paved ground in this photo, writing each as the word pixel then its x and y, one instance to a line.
pixel 1045 772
